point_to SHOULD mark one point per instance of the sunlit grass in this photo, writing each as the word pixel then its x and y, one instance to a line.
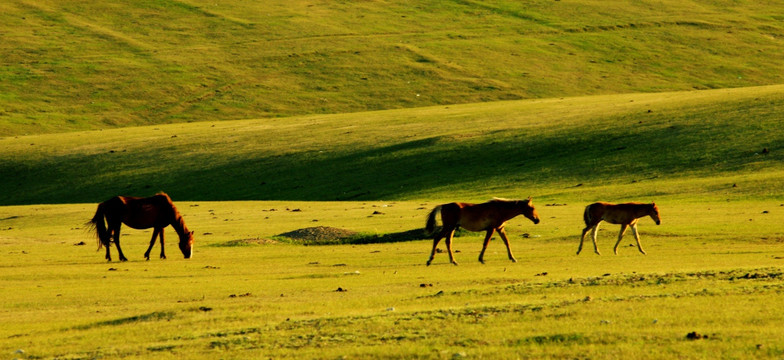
pixel 712 268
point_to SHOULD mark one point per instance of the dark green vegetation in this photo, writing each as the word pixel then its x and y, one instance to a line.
pixel 85 65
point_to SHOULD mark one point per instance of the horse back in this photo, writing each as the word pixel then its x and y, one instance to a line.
pixel 476 217
pixel 141 213
pixel 625 213
pixel 452 213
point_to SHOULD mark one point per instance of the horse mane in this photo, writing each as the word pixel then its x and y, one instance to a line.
pixel 161 193
pixel 170 203
pixel 179 222
pixel 505 200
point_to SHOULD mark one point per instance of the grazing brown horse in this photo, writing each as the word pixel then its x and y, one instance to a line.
pixel 624 214
pixel 490 216
pixel 155 212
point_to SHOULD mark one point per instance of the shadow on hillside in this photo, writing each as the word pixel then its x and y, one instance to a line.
pixel 509 159
pixel 651 146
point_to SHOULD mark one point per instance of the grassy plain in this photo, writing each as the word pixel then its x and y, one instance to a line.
pixel 77 65
pixel 713 268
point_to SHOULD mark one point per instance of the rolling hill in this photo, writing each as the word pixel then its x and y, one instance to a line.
pixel 69 66
pixel 712 144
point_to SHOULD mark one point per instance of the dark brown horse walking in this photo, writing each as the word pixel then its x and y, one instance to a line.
pixel 490 216
pixel 624 214
pixel 155 212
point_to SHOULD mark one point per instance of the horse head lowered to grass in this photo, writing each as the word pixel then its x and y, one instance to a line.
pixel 490 217
pixel 155 212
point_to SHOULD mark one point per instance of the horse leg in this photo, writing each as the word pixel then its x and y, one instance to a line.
pixel 620 236
pixel 436 240
pixel 448 241
pixel 108 245
pixel 594 232
pixel 484 245
pixel 117 242
pixel 163 254
pixel 152 242
pixel 582 238
pixel 637 237
pixel 506 242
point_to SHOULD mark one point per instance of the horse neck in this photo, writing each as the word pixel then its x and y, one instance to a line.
pixel 179 224
pixel 641 210
pixel 512 210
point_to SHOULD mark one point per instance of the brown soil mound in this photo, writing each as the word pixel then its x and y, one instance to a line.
pixel 319 234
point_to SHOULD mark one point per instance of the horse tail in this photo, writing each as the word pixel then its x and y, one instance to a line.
pixel 587 215
pixel 430 226
pixel 98 224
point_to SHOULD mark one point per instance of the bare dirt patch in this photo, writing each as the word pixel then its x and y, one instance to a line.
pixel 323 235
pixel 319 235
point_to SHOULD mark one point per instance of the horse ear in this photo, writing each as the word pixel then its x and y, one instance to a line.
pixel 530 199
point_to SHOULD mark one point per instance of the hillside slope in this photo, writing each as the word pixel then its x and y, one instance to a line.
pixel 700 144
pixel 68 65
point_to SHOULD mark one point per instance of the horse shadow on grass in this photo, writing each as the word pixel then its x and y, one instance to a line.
pixel 338 238
pixel 395 237
pixel 402 236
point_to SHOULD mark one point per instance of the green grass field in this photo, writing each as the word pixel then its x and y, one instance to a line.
pixel 261 118
pixel 713 268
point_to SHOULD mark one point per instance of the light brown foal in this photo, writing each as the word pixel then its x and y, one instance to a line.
pixel 624 214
